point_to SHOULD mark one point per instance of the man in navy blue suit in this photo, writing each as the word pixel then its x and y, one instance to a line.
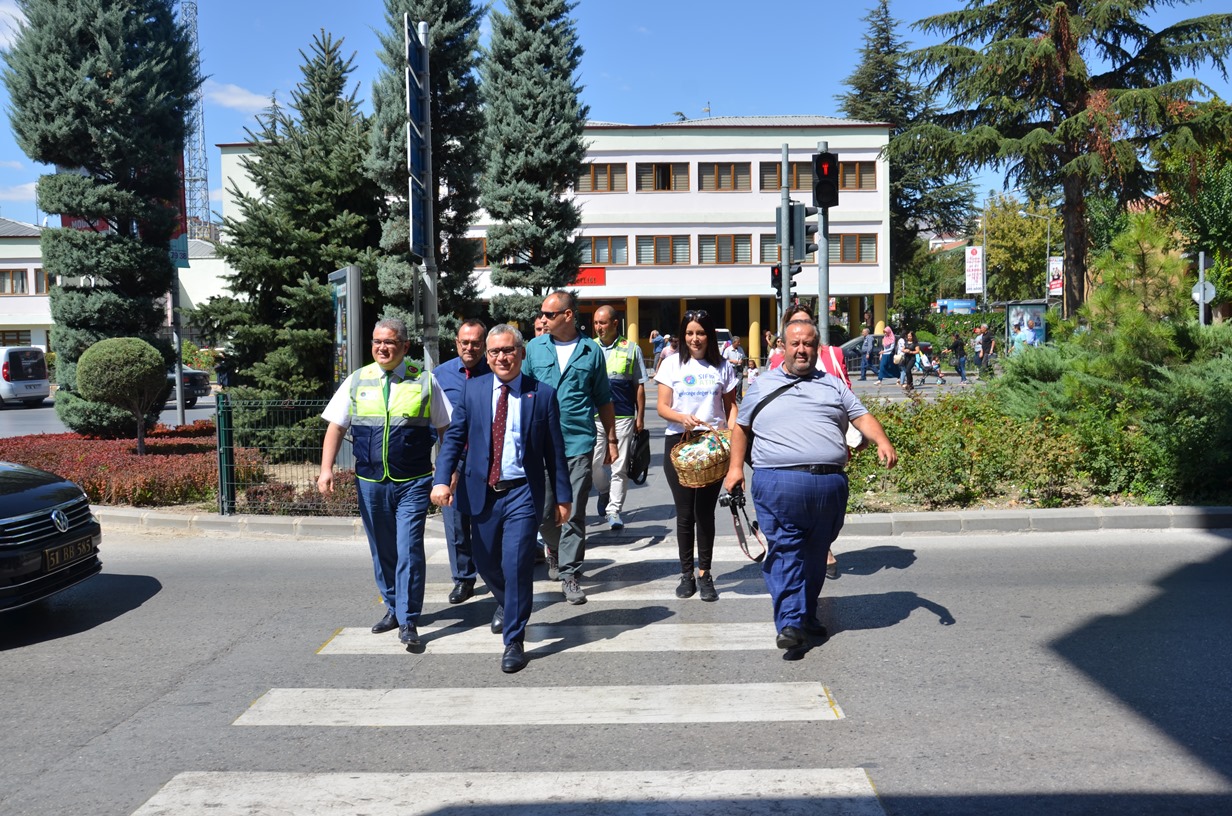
pixel 509 426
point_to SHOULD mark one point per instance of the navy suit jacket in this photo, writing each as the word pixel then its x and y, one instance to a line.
pixel 543 448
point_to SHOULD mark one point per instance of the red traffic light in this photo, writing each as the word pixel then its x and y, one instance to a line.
pixel 825 180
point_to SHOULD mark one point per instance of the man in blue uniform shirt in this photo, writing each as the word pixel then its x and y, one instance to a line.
pixel 453 376
pixel 799 483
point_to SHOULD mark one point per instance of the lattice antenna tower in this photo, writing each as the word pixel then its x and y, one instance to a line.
pixel 196 165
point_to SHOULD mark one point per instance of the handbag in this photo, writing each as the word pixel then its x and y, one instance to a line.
pixel 701 457
pixel 898 358
pixel 639 458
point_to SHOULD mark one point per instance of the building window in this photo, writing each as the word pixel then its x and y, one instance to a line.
pixel 662 249
pixel 853 249
pixel 723 176
pixel 857 175
pixel 603 178
pixel 481 251
pixel 14 338
pixel 771 251
pixel 12 281
pixel 41 283
pixel 654 178
pixel 801 175
pixel 725 249
pixel 605 249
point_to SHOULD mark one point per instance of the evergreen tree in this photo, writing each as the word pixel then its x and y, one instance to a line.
pixel 922 195
pixel 1066 95
pixel 312 213
pixel 103 88
pixel 457 131
pixel 533 138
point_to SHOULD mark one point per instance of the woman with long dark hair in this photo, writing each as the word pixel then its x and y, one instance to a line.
pixel 697 388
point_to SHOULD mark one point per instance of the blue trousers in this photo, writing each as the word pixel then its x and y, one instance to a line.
pixel 503 541
pixel 868 361
pixel 394 514
pixel 800 514
pixel 458 542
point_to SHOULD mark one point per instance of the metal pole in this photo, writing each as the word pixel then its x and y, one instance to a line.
pixel 432 351
pixel 823 264
pixel 179 347
pixel 984 257
pixel 1047 259
pixel 226 457
pixel 1201 286
pixel 784 240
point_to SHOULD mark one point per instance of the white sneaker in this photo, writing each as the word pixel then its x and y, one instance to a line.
pixel 614 521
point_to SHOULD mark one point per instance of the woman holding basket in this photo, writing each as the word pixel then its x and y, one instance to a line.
pixel 697 391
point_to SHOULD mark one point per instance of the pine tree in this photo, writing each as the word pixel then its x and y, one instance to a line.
pixel 922 195
pixel 457 130
pixel 533 138
pixel 1066 95
pixel 103 89
pixel 313 213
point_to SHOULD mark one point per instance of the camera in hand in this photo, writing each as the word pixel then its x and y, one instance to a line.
pixel 733 499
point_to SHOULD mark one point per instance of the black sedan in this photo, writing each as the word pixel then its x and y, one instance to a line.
pixel 196 384
pixel 48 537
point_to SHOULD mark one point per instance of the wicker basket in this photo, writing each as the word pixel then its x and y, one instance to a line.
pixel 701 458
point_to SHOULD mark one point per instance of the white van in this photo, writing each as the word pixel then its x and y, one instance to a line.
pixel 23 375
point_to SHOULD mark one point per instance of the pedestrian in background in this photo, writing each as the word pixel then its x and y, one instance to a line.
pixel 507 425
pixel 888 345
pixel 799 452
pixel 777 355
pixel 958 355
pixel 390 407
pixel 453 376
pixel 697 389
pixel 626 373
pixel 575 368
pixel 986 345
pixel 868 355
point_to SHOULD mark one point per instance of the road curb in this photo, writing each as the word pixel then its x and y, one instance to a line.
pixel 870 525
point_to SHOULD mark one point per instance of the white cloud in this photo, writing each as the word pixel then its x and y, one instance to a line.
pixel 11 165
pixel 216 195
pixel 10 16
pixel 18 192
pixel 234 97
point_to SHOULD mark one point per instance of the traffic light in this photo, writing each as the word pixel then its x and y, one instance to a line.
pixel 776 278
pixel 825 179
pixel 789 283
pixel 801 231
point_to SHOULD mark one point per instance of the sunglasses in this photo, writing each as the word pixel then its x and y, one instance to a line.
pixel 697 314
pixel 551 315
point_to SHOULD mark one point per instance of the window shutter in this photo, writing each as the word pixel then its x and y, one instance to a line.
pixel 680 249
pixel 645 178
pixel 744 249
pixel 620 178
pixel 680 181
pixel 868 249
pixel 769 173
pixel 769 249
pixel 620 250
pixel 645 249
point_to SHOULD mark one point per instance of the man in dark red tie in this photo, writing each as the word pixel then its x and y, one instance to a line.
pixel 509 426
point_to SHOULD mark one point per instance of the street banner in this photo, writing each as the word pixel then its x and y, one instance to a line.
pixel 1056 273
pixel 975 270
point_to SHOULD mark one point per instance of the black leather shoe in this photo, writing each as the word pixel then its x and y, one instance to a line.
pixel 461 591
pixel 514 659
pixel 789 638
pixel 498 621
pixel 385 624
pixel 409 635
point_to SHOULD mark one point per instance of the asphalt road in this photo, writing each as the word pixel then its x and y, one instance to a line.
pixel 1060 674
pixel 18 420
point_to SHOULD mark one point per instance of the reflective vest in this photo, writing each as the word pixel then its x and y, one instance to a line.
pixel 621 372
pixel 393 443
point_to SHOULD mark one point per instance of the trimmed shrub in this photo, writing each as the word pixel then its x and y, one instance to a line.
pixel 126 373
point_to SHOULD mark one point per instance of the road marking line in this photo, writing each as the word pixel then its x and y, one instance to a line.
pixel 790 792
pixel 657 589
pixel 581 705
pixel 550 638
pixel 597 557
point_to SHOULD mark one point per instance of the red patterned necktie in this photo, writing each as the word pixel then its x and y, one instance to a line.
pixel 498 435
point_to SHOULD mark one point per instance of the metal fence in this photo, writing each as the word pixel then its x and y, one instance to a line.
pixel 269 456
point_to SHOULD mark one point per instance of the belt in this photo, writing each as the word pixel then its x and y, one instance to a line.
pixel 505 485
pixel 816 470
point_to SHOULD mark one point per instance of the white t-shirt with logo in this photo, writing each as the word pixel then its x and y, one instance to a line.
pixel 697 388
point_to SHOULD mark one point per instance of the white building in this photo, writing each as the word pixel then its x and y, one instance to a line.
pixel 682 215
pixel 25 312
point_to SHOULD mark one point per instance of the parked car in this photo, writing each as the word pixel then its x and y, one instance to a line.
pixel 23 375
pixel 196 384
pixel 722 337
pixel 49 538
pixel 851 353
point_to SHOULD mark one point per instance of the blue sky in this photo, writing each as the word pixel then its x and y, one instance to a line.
pixel 644 60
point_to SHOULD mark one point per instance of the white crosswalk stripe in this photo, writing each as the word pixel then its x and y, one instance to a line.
pixel 785 792
pixel 581 705
pixel 625 591
pixel 548 638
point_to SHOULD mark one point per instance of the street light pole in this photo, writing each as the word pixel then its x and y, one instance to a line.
pixel 1047 247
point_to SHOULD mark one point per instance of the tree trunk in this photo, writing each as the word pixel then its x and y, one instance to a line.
pixel 1074 217
pixel 140 434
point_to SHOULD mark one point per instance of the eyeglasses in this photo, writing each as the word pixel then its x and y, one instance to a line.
pixel 505 351
pixel 471 343
pixel 551 315
pixel 696 314
pixel 386 343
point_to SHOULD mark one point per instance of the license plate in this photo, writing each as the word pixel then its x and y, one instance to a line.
pixel 66 554
pixel 32 387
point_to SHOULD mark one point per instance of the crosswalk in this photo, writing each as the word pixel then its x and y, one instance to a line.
pixel 517 702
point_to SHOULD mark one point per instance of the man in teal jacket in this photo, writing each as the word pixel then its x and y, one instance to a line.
pixel 576 367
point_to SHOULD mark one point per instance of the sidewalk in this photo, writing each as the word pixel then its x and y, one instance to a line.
pixel 983 522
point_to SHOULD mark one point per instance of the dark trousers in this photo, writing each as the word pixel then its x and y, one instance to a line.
pixel 694 508
pixel 394 514
pixel 568 542
pixel 503 541
pixel 458 542
pixel 800 514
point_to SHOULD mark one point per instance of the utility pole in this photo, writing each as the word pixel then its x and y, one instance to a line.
pixel 421 195
pixel 784 238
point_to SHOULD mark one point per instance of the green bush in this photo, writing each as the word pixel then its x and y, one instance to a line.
pixel 127 373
